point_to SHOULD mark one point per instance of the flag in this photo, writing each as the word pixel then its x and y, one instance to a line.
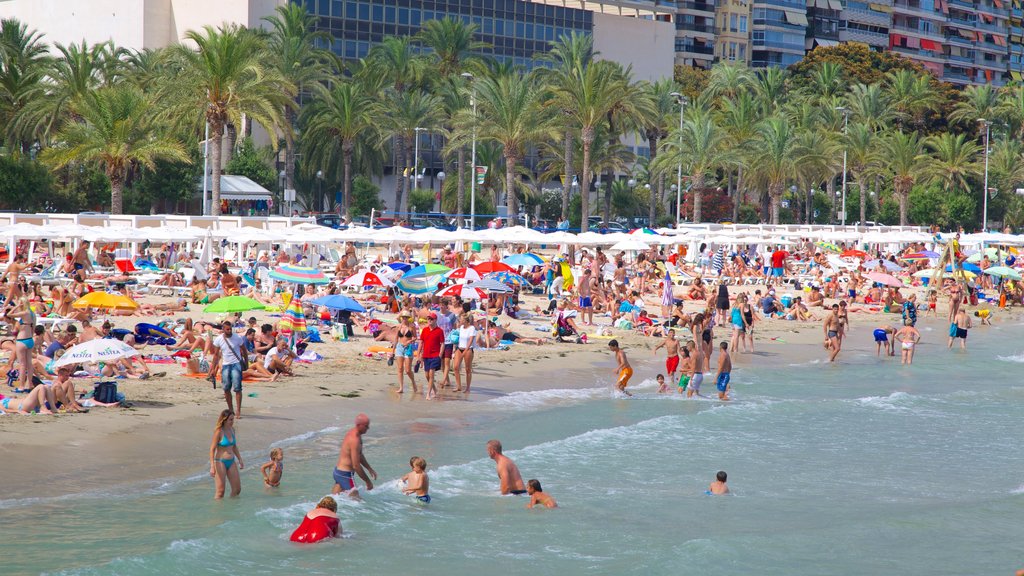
pixel 481 174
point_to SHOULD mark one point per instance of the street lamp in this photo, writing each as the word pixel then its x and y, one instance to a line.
pixel 280 179
pixel 440 177
pixel 472 173
pixel 683 100
pixel 319 185
pixel 846 122
pixel 984 217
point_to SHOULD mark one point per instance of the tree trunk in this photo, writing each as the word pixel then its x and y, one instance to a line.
pixel 232 135
pixel 588 139
pixel 216 142
pixel 766 206
pixel 776 199
pixel 697 191
pixel 116 194
pixel 903 195
pixel 656 188
pixel 414 183
pixel 461 198
pixel 863 200
pixel 609 176
pixel 737 198
pixel 567 186
pixel 510 188
pixel 809 207
pixel 347 150
pixel 399 174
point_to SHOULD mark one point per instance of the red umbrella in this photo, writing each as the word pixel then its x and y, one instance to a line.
pixel 463 291
pixel 366 278
pixel 124 265
pixel 463 274
pixel 854 254
pixel 488 267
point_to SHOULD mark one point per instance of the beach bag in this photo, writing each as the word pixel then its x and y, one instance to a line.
pixel 243 359
pixel 105 392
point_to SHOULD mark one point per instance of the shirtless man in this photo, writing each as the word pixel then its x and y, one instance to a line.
pixel 671 346
pixel 351 460
pixel 622 369
pixel 508 473
pixel 81 258
pixel 962 323
pixel 586 290
pixel 831 327
pixel 815 298
pixel 697 377
pixel 908 336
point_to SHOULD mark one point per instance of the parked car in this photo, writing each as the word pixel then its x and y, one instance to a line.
pixel 329 220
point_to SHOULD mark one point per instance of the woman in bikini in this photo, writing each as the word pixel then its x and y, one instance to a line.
pixel 403 351
pixel 36 399
pixel 224 455
pixel 22 317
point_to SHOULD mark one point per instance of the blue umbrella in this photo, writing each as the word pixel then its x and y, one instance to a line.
pixel 399 266
pixel 338 302
pixel 966 266
pixel 890 266
pixel 526 260
pixel 508 278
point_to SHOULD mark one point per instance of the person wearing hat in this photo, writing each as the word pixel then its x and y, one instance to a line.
pixel 431 345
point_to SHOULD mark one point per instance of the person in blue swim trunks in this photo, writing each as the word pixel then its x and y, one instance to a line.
pixel 352 462
pixel 416 482
pixel 884 337
pixel 724 371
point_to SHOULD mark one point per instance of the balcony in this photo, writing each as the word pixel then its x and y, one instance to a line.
pixel 694 27
pixel 958 58
pixel 867 37
pixel 951 76
pixel 866 16
pixel 918 32
pixel 695 49
pixel 958 39
pixel 962 4
pixel 697 6
pixel 902 6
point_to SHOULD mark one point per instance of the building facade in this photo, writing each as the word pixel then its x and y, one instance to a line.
pixel 779 29
pixel 733 20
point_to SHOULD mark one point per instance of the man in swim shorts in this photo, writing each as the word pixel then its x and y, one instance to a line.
pixel 908 337
pixel 685 369
pixel 586 291
pixel 697 376
pixel 831 327
pixel 623 369
pixel 724 371
pixel 351 460
pixel 882 336
pixel 958 329
pixel 508 472
pixel 671 346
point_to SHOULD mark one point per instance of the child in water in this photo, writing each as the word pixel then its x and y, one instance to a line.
pixel 718 487
pixel 416 482
pixel 273 470
pixel 985 315
pixel 538 496
pixel 623 370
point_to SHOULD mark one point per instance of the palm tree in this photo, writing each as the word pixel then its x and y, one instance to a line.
pixel 594 93
pixel 23 62
pixel 911 94
pixel 509 113
pixel 771 88
pixel 117 128
pixel 953 160
pixel 221 80
pixel 655 128
pixel 870 105
pixel 977 101
pixel 291 45
pixel 336 120
pixel 406 111
pixel 859 143
pixel 815 152
pixel 1011 109
pixel 903 156
pixel 774 158
pixel 626 116
pixel 740 117
pixel 452 44
pixel 828 81
pixel 702 147
pixel 729 80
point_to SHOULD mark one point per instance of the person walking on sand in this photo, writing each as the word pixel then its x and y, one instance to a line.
pixel 671 346
pixel 508 473
pixel 352 461
pixel 908 336
pixel 431 344
pixel 831 327
pixel 223 455
pixel 623 370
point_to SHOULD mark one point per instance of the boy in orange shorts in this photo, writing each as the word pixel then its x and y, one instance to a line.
pixel 624 370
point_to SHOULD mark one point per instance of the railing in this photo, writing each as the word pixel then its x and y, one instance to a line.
pixel 958 39
pixel 692 27
pixel 694 49
pixel 958 58
pixel 702 6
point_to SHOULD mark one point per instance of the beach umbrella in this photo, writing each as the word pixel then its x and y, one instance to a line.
pixel 298 274
pixel 853 253
pixel 668 298
pixel 926 273
pixel 467 274
pixel 883 279
pixel 491 286
pixel 923 255
pixel 293 319
pixel 125 265
pixel 105 300
pixel 425 270
pixel 465 291
pixel 645 231
pixel 1003 272
pixel 992 253
pixel 966 266
pixel 630 245
pixel 488 267
pixel 232 304
pixel 508 278
pixel 96 350
pixel 890 266
pixel 830 246
pixel 420 284
pixel 366 278
pixel 401 266
pixel 526 260
pixel 338 302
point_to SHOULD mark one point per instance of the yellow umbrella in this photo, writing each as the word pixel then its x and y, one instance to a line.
pixel 105 300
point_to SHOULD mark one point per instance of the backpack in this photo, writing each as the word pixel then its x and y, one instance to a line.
pixel 105 392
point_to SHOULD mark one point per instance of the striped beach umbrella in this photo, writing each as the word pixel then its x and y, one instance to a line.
pixel 366 278
pixel 464 291
pixel 467 274
pixel 508 278
pixel 293 319
pixel 298 274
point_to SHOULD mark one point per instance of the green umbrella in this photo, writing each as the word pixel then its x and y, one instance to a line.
pixel 232 304
pixel 1003 272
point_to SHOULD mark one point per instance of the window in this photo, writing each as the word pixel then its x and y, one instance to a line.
pixel 732 51
pixel 743 52
pixel 733 27
pixel 743 23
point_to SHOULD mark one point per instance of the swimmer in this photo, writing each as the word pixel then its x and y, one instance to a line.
pixel 908 337
pixel 319 523
pixel 416 482
pixel 959 327
pixel 718 487
pixel 662 385
pixel 882 336
pixel 538 496
pixel 511 482
pixel 273 470
pixel 623 369
pixel 724 369
pixel 985 315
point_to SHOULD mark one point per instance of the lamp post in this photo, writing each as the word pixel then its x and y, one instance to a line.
pixel 683 100
pixel 846 122
pixel 206 169
pixel 984 217
pixel 472 155
pixel 319 185
pixel 440 188
pixel 280 179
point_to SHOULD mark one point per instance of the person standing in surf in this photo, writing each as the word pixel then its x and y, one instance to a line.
pixel 831 327
pixel 508 473
pixel 352 462
pixel 623 370
pixel 671 346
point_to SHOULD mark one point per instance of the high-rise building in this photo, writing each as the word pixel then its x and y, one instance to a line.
pixel 1016 57
pixel 865 22
pixel 778 32
pixel 733 20
pixel 695 32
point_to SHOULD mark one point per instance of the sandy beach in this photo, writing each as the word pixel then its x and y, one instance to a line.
pixel 165 433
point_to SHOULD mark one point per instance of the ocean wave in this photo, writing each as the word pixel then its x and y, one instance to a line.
pixel 893 401
pixel 305 436
pixel 1019 358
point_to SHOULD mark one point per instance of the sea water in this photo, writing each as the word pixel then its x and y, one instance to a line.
pixel 864 467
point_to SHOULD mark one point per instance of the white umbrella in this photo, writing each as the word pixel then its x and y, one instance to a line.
pixel 627 245
pixel 96 350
